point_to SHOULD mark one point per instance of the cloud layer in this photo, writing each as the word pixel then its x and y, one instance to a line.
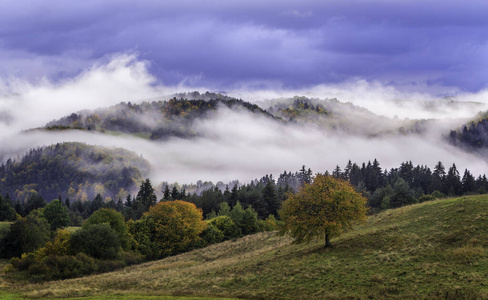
pixel 433 45
pixel 235 145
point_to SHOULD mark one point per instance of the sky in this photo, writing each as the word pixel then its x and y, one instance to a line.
pixel 394 58
pixel 436 46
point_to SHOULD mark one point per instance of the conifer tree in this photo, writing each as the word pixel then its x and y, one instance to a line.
pixel 145 197
pixel 166 193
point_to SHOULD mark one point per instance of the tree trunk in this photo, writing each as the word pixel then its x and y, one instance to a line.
pixel 327 240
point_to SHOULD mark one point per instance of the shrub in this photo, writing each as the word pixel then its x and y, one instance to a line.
pixel 142 231
pixel 269 224
pixel 25 235
pixel 24 262
pixel 60 245
pixel 227 226
pixel 62 267
pixel 132 258
pixel 98 241
pixel 437 194
pixel 211 235
pixel 424 198
pixel 116 222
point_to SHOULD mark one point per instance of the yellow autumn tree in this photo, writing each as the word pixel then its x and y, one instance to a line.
pixel 322 209
pixel 178 225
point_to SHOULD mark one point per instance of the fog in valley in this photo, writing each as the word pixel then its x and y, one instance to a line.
pixel 236 144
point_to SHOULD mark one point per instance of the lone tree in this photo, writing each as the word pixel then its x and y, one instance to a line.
pixel 322 209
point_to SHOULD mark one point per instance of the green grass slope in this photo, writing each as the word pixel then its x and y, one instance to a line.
pixel 434 250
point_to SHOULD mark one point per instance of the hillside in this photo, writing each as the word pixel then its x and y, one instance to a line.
pixel 157 120
pixel 473 135
pixel 433 250
pixel 176 117
pixel 335 116
pixel 74 171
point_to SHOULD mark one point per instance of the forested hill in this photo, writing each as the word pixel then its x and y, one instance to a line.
pixel 333 115
pixel 74 171
pixel 157 120
pixel 161 120
pixel 473 135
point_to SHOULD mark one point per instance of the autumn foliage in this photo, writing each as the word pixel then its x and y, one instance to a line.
pixel 323 209
pixel 178 225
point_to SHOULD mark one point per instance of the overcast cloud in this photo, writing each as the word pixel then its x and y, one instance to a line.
pixel 433 45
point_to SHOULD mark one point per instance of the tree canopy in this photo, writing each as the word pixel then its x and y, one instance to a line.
pixel 177 225
pixel 323 208
pixel 56 214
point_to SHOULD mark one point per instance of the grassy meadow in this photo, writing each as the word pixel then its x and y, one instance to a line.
pixel 433 250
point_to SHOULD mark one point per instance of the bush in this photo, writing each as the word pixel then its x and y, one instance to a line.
pixel 424 198
pixel 132 258
pixel 98 241
pixel 142 231
pixel 227 226
pixel 24 262
pixel 437 194
pixel 60 245
pixel 25 235
pixel 211 235
pixel 250 222
pixel 62 267
pixel 269 224
pixel 116 222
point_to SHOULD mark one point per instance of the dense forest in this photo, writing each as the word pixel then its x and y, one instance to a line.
pixel 335 116
pixel 74 171
pixel 383 188
pixel 473 135
pixel 154 120
pixel 161 120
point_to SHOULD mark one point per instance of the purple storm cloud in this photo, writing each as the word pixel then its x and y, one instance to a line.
pixel 228 44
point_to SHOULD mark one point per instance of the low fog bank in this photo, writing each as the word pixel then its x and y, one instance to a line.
pixel 383 100
pixel 236 144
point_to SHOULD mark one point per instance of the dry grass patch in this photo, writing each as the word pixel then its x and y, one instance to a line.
pixel 468 254
pixel 200 272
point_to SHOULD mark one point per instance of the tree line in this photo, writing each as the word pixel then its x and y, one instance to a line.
pixel 409 184
pixel 143 227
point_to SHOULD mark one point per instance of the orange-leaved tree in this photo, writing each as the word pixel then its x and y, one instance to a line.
pixel 177 225
pixel 322 209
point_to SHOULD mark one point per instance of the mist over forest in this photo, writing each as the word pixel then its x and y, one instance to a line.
pixel 357 121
